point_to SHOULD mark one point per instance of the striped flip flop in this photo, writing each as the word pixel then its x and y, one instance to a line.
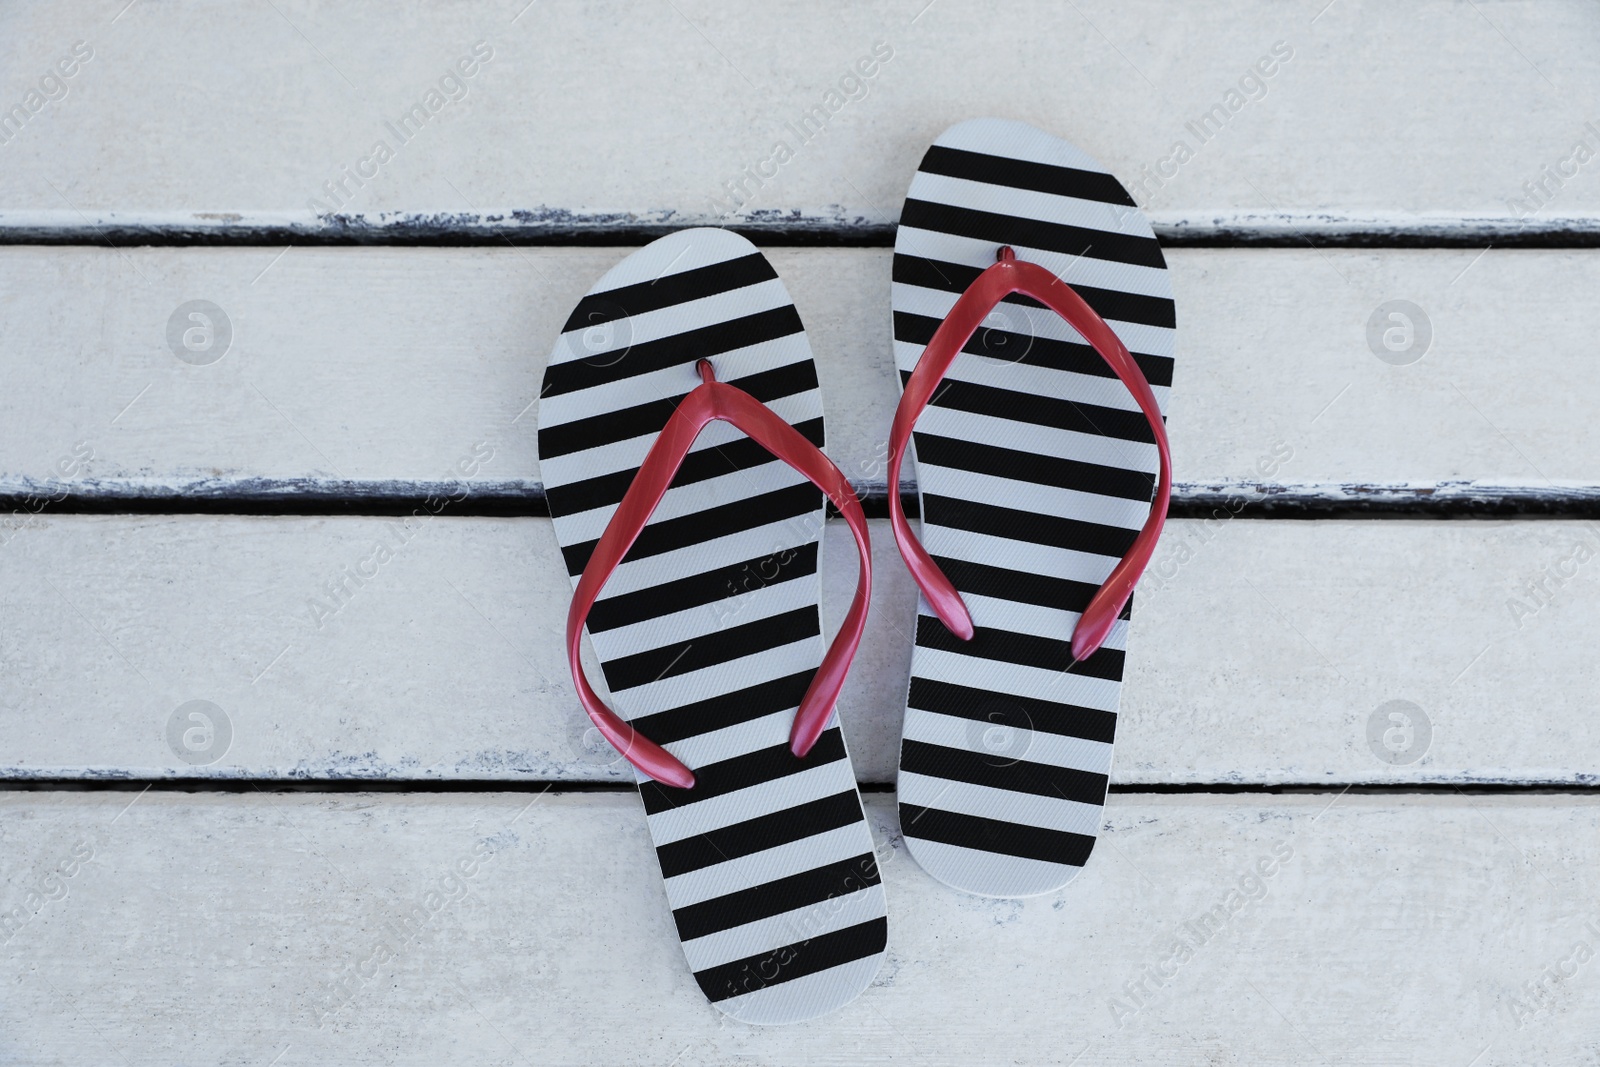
pixel 694 558
pixel 1023 277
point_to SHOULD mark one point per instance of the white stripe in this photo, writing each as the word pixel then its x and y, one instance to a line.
pixel 1029 204
pixel 609 341
pixel 1030 496
pixel 682 500
pixel 741 805
pixel 1040 440
pixel 1004 805
pixel 675 253
pixel 704 620
pixel 1017 140
pixel 740 739
pixel 627 455
pixel 768 865
pixel 936 665
pixel 1030 619
pixel 756 543
pixel 1143 340
pixel 990 873
pixel 939 247
pixel 803 998
pixel 736 674
pixel 778 931
pixel 671 381
pixel 1032 321
pixel 1039 381
pixel 1022 556
pixel 1007 741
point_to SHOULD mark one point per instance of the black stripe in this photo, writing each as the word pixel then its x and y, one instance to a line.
pixel 667 535
pixel 815 886
pixel 1053 411
pixel 1028 526
pixel 993 835
pixel 987 705
pixel 925 273
pixel 669 290
pixel 612 365
pixel 1025 174
pixel 627 423
pixel 1034 468
pixel 741 772
pixel 1022 587
pixel 710 587
pixel 707 463
pixel 724 710
pixel 1041 410
pixel 722 645
pixel 1012 346
pixel 794 961
pixel 1045 653
pixel 562 228
pixel 997 772
pixel 1031 233
pixel 756 835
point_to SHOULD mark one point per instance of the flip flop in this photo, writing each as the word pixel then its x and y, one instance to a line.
pixel 1023 276
pixel 694 559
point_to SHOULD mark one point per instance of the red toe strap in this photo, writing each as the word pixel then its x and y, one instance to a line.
pixel 711 401
pixel 1011 275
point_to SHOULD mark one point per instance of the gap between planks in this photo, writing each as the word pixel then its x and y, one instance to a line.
pixel 15 781
pixel 525 498
pixel 1221 228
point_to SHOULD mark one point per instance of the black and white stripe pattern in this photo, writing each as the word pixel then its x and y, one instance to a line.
pixel 1035 471
pixel 709 632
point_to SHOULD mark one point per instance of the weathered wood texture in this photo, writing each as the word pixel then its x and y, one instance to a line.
pixel 1319 929
pixel 1264 652
pixel 1376 118
pixel 356 371
pixel 254 927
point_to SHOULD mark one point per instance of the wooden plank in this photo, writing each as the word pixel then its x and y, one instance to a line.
pixel 353 373
pixel 1263 652
pixel 580 122
pixel 1318 929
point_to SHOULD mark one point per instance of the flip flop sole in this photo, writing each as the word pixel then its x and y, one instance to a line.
pixel 709 631
pixel 1035 470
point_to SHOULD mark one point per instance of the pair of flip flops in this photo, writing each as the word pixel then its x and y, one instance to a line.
pixel 680 436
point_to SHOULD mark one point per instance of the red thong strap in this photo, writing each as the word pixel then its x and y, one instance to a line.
pixel 1006 276
pixel 711 401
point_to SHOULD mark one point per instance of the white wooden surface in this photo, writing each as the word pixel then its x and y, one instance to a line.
pixel 213 929
pixel 385 365
pixel 1262 650
pixel 1421 117
pixel 1444 927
